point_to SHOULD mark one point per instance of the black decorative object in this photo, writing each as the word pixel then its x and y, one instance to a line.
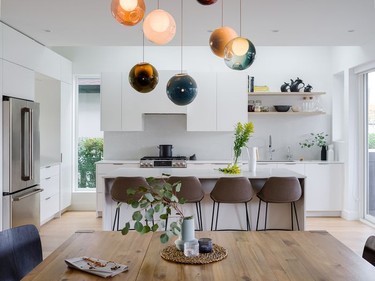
pixel 285 87
pixel 308 88
pixel 323 153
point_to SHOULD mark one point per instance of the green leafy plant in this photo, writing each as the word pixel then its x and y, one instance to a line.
pixel 158 198
pixel 319 139
pixel 90 151
pixel 242 134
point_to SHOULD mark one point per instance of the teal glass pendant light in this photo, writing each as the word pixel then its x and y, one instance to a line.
pixel 207 2
pixel 239 53
pixel 143 77
pixel 182 88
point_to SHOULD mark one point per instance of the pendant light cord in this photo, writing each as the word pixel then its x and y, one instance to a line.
pixel 158 4
pixel 182 32
pixel 222 13
pixel 143 43
pixel 240 18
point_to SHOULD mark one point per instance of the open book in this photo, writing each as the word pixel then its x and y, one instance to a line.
pixel 96 266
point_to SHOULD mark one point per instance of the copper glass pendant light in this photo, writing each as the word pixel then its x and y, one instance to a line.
pixel 182 88
pixel 239 53
pixel 221 36
pixel 128 12
pixel 143 77
pixel 207 2
pixel 159 27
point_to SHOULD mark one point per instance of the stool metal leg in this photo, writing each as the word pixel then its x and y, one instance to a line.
pixel 212 218
pixel 217 214
pixel 260 201
pixel 291 214
pixel 200 215
pixel 295 212
pixel 265 219
pixel 116 219
pixel 247 218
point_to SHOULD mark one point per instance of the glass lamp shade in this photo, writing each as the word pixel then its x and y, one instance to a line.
pixel 207 2
pixel 128 12
pixel 159 27
pixel 239 53
pixel 143 77
pixel 219 39
pixel 182 89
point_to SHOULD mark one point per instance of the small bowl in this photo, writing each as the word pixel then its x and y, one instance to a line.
pixel 296 108
pixel 282 108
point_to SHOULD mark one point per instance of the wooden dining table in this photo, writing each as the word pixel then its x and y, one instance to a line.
pixel 271 255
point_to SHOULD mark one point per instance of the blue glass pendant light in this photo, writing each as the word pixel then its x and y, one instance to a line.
pixel 182 88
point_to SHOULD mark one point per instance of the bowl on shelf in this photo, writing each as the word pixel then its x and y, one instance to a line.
pixel 282 108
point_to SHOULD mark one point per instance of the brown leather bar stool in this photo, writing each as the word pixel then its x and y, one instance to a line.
pixel 192 192
pixel 231 190
pixel 280 190
pixel 120 195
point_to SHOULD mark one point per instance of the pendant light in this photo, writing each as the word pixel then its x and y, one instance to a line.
pixel 207 2
pixel 182 88
pixel 159 26
pixel 221 36
pixel 239 53
pixel 143 77
pixel 128 12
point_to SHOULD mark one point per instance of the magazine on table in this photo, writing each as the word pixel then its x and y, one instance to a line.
pixel 96 266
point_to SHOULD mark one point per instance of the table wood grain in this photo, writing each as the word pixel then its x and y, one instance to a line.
pixel 272 255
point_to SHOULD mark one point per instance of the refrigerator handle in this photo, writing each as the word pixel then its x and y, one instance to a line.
pixel 19 198
pixel 27 144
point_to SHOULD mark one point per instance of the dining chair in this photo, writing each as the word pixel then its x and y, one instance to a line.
pixel 233 191
pixel 369 250
pixel 191 190
pixel 20 252
pixel 280 190
pixel 119 193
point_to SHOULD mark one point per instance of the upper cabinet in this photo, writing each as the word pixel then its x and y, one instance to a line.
pixel 110 102
pixel 18 81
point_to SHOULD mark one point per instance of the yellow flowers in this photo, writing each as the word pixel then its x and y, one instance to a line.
pixel 242 135
pixel 231 169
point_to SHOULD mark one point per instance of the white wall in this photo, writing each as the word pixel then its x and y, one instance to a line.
pixel 272 67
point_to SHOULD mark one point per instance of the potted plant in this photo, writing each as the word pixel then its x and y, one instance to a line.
pixel 242 134
pixel 320 140
pixel 160 199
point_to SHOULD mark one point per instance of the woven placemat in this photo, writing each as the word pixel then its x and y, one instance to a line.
pixel 171 253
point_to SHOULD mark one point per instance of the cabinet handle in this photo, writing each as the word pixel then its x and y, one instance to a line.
pixel 48 198
pixel 118 164
pixel 47 167
pixel 323 164
pixel 48 178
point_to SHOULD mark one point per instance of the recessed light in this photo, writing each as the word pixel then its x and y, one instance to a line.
pixel 275 30
pixel 47 30
pixel 351 30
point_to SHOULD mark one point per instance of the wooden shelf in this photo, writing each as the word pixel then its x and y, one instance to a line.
pixel 289 113
pixel 286 94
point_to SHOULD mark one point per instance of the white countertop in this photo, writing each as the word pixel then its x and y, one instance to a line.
pixel 201 173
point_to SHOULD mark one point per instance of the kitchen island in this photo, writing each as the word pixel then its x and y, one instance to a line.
pixel 231 216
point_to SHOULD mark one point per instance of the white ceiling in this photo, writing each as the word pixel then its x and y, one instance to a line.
pixel 298 22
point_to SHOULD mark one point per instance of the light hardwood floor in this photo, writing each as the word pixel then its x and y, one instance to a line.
pixel 351 233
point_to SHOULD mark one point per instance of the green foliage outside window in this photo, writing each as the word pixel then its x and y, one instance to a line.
pixel 371 141
pixel 90 150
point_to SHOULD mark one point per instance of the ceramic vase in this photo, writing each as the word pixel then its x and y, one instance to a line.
pixel 323 153
pixel 187 232
pixel 252 156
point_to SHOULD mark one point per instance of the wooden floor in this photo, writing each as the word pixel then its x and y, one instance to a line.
pixel 351 233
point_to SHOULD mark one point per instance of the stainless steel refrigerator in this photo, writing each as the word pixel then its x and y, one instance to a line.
pixel 21 164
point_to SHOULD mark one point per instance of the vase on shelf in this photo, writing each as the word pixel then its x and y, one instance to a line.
pixel 323 153
pixel 187 232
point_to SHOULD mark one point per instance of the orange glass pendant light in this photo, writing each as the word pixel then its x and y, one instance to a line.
pixel 219 39
pixel 159 27
pixel 143 77
pixel 128 12
pixel 207 2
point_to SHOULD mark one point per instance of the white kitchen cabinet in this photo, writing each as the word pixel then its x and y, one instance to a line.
pixel 110 101
pixel 293 166
pixel 324 188
pixel 201 113
pixel 231 100
pixel 66 146
pixel 66 70
pixel 50 196
pixel 18 81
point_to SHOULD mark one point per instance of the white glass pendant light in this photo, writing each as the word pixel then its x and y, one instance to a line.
pixel 221 36
pixel 159 27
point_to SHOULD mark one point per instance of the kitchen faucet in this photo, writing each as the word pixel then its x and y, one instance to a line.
pixel 289 155
pixel 270 150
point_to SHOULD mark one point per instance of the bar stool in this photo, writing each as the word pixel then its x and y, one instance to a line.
pixel 231 190
pixel 120 195
pixel 280 190
pixel 192 192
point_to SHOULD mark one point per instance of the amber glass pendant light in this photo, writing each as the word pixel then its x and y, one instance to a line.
pixel 143 77
pixel 207 2
pixel 159 26
pixel 239 53
pixel 221 36
pixel 128 12
pixel 182 88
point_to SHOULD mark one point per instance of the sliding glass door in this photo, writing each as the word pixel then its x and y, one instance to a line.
pixel 369 202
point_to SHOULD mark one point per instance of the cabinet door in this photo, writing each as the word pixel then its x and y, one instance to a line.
pixel 324 185
pixel 231 100
pixel 110 101
pixel 18 82
pixel 295 167
pixel 201 113
pixel 66 145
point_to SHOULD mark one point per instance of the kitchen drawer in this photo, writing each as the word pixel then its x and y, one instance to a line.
pixel 50 185
pixel 49 171
pixel 105 168
pixel 49 206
